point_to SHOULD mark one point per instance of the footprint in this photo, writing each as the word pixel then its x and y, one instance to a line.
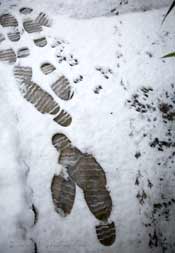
pixel 8 55
pixel 41 42
pixel 43 102
pixel 106 233
pixel 31 26
pixel 62 88
pixel 7 20
pixel 22 73
pixel 25 10
pixel 63 194
pixel 43 20
pixel 23 52
pixel 14 36
pixel 85 171
pixel 47 68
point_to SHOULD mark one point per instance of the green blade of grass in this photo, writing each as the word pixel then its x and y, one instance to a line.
pixel 169 55
pixel 169 10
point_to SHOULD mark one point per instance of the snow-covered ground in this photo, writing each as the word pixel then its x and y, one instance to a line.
pixel 122 112
pixel 91 8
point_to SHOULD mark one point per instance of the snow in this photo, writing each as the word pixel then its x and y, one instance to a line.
pixel 131 45
pixel 91 8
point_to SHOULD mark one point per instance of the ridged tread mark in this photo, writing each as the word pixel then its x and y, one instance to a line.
pixel 2 37
pixel 62 88
pixel 41 100
pixel 41 42
pixel 69 158
pixel 8 55
pixel 43 20
pixel 106 233
pixel 47 68
pixel 23 52
pixel 99 202
pixel 60 142
pixel 63 194
pixel 87 172
pixel 22 73
pixel 25 10
pixel 14 36
pixel 63 118
pixel 7 20
pixel 31 26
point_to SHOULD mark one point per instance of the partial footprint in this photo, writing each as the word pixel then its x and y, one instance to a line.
pixel 61 142
pixel 25 10
pixel 7 20
pixel 62 88
pixel 23 52
pixel 99 201
pixel 23 73
pixel 63 118
pixel 14 36
pixel 8 55
pixel 41 42
pixel 43 102
pixel 106 233
pixel 32 26
pixel 63 194
pixel 43 20
pixel 47 68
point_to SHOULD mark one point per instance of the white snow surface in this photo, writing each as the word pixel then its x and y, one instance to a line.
pixel 91 8
pixel 131 45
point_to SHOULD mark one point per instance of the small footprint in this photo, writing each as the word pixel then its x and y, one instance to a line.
pixel 41 42
pixel 14 36
pixel 47 68
pixel 23 52
pixel 8 55
pixel 7 20
pixel 62 88
pixel 43 20
pixel 25 10
pixel 31 26
pixel 106 72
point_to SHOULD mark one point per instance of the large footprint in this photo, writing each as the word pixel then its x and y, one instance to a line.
pixel 85 171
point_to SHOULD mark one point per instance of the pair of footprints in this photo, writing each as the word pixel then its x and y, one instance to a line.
pixel 82 169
